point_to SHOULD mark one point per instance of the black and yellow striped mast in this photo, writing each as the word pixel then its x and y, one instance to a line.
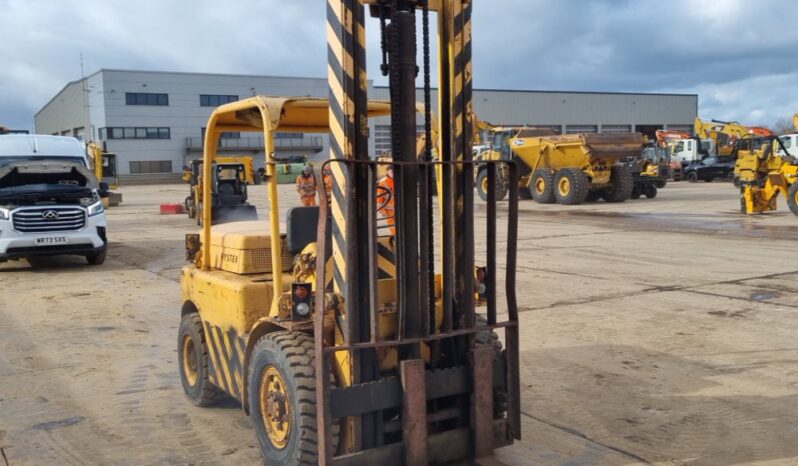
pixel 353 216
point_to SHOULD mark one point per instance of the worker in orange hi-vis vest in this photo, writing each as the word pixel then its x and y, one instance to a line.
pixel 306 186
pixel 385 199
pixel 328 181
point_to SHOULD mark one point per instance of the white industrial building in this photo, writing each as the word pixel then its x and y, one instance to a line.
pixel 154 121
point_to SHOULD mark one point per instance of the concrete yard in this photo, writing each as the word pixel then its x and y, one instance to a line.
pixel 654 331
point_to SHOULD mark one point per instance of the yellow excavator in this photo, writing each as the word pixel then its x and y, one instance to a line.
pixel 765 167
pixel 345 343
pixel 104 166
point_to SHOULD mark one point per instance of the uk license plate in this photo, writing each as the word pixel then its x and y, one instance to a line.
pixel 50 240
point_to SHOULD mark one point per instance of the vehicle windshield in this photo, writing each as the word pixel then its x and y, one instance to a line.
pixel 656 154
pixel 228 173
pixel 39 158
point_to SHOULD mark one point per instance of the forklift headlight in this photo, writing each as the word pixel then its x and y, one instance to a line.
pixel 301 300
pixel 302 309
pixel 96 209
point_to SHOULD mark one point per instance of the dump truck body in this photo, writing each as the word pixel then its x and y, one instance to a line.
pixel 567 169
pixel 593 153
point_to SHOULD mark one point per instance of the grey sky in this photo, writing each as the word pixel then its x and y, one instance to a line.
pixel 740 57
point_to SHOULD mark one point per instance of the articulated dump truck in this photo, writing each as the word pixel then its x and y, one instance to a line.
pixel 569 169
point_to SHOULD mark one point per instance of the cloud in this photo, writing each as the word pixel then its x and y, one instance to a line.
pixel 739 58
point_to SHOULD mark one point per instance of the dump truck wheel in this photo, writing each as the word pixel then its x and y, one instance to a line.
pixel 622 185
pixel 792 198
pixel 193 362
pixel 637 191
pixel 542 186
pixel 282 398
pixel 650 191
pixel 491 339
pixel 570 186
pixel 482 186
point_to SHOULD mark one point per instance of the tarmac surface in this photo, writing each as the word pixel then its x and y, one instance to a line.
pixel 657 331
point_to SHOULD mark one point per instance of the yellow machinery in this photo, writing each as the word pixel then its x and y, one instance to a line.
pixel 724 134
pixel 249 175
pixel 104 166
pixel 568 169
pixel 347 346
pixel 650 171
pixel 231 176
pixel 764 169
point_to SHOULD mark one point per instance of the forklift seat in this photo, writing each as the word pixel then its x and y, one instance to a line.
pixel 301 227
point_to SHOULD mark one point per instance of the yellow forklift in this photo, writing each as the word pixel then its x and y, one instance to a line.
pixel 228 191
pixel 345 343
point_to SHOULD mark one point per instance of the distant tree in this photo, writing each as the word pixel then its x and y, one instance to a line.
pixel 783 126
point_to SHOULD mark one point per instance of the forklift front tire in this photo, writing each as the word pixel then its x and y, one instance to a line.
pixel 282 398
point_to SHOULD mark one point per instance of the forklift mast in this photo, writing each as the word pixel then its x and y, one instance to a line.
pixel 442 391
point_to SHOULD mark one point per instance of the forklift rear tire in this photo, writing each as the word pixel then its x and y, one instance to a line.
pixel 96 258
pixel 282 398
pixel 193 362
pixel 482 186
pixel 542 186
pixel 792 198
pixel 650 191
pixel 571 186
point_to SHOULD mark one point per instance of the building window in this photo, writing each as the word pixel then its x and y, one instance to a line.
pixel 226 135
pixel 212 100
pixel 151 166
pixel 289 135
pixel 145 98
pixel 135 133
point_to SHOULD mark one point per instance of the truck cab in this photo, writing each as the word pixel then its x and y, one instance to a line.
pixel 790 143
pixel 687 151
pixel 49 200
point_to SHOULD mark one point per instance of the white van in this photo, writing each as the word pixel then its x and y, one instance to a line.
pixel 49 200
